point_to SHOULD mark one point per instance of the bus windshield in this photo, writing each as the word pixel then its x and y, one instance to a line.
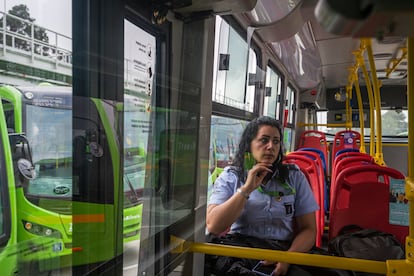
pixel 136 127
pixel 49 131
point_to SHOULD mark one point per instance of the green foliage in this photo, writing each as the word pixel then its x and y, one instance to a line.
pixel 23 28
pixel 393 123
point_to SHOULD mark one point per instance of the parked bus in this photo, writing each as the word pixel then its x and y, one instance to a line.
pixel 44 114
pixel 166 88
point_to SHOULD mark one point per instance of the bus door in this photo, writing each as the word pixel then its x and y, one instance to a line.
pixel 8 233
pixel 16 169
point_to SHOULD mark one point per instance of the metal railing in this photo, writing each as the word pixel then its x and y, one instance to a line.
pixel 26 43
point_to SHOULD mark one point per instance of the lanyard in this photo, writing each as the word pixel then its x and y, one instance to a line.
pixel 277 194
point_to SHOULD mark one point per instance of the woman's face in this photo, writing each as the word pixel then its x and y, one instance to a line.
pixel 265 146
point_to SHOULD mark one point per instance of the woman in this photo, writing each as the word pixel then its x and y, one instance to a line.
pixel 275 213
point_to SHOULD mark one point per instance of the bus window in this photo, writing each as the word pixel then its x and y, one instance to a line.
pixel 136 127
pixel 3 193
pixel 9 113
pixel 272 93
pixel 394 122
pixel 224 140
pixel 290 105
pixel 232 68
pixel 7 260
pixel 50 135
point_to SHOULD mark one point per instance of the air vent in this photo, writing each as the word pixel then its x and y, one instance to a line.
pixel 395 75
pixel 383 55
pixel 391 40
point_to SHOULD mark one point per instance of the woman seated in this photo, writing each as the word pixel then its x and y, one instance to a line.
pixel 264 203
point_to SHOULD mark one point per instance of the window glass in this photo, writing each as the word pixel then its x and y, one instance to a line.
pixel 224 140
pixel 41 33
pixel 49 131
pixel 287 139
pixel 231 58
pixel 225 134
pixel 290 105
pixel 272 93
pixel 393 122
pixel 36 42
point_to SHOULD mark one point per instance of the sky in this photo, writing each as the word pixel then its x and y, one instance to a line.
pixel 51 14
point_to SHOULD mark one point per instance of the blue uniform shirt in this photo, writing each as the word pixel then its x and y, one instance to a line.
pixel 264 215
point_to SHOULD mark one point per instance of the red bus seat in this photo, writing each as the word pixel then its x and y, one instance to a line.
pixel 317 140
pixel 341 164
pixel 345 155
pixel 345 139
pixel 310 170
pixel 317 157
pixel 362 197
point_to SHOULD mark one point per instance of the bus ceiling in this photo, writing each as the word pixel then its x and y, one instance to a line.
pixel 316 26
pixel 349 18
pixel 362 18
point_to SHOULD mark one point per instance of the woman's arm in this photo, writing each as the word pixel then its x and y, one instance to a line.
pixel 304 240
pixel 305 234
pixel 221 216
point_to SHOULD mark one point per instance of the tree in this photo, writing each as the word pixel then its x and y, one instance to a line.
pixel 393 123
pixel 24 28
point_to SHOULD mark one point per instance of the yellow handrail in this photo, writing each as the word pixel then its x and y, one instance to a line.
pixel 371 102
pixel 353 81
pixel 180 246
pixel 395 62
pixel 346 125
pixel 409 183
pixel 361 115
pixel 377 98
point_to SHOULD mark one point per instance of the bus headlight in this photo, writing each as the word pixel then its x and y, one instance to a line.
pixel 41 230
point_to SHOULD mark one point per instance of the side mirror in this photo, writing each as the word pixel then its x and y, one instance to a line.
pixel 26 168
pixel 22 155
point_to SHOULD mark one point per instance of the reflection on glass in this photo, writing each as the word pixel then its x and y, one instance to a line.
pixel 224 139
pixel 49 131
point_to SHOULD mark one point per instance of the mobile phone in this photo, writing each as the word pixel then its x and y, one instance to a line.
pixel 269 175
pixel 263 270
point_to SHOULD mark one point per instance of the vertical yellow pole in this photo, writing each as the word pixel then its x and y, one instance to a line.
pixel 377 98
pixel 406 267
pixel 361 115
pixel 409 185
pixel 371 101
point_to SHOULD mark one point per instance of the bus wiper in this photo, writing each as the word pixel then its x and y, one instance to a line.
pixel 132 189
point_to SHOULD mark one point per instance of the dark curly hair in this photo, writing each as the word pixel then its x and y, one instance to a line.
pixel 248 135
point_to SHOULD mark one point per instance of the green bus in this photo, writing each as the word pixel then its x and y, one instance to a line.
pixel 47 204
pixel 8 219
pixel 16 170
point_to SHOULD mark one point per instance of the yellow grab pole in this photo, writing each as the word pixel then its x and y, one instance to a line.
pixel 180 246
pixel 377 98
pixel 395 62
pixel 371 103
pixel 346 125
pixel 409 184
pixel 361 115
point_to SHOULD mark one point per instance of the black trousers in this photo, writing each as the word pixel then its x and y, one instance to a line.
pixel 224 265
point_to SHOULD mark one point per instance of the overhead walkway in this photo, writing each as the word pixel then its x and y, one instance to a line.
pixel 25 60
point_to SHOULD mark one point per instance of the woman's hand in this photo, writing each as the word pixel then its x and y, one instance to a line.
pixel 255 176
pixel 280 268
